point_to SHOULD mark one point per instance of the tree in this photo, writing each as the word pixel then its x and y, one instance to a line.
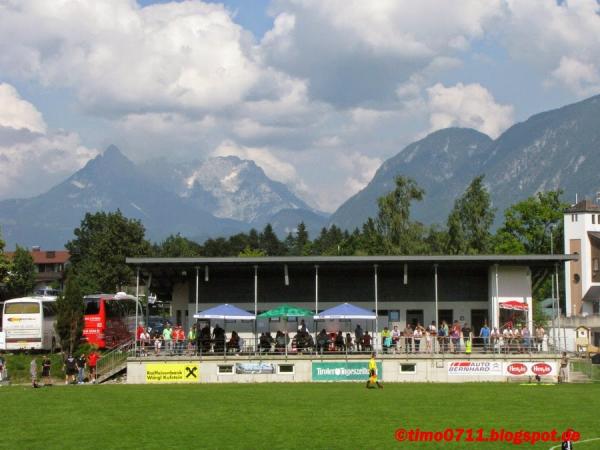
pixel 269 242
pixel 21 280
pixel 249 252
pixel 530 224
pixel 470 221
pixel 400 235
pixel 300 244
pixel 69 319
pixel 176 246
pixel 100 247
pixel 4 268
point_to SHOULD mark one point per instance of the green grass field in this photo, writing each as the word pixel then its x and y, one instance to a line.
pixel 303 416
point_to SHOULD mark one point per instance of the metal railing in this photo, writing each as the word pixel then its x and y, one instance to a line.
pixel 114 360
pixel 434 346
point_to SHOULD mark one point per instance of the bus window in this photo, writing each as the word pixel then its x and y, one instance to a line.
pixel 113 309
pixel 22 308
pixel 92 306
pixel 49 309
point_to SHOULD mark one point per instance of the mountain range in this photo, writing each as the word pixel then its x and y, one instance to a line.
pixel 558 149
pixel 224 195
pixel 217 197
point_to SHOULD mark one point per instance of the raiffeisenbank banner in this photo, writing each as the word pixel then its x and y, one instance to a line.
pixel 172 372
pixel 343 371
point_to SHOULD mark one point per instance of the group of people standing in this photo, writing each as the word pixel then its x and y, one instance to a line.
pixel 73 367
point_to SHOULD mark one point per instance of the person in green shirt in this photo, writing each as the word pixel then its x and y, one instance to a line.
pixel 167 333
pixel 372 381
pixel 192 336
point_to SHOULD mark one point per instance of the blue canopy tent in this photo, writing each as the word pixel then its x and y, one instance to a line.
pixel 345 311
pixel 225 312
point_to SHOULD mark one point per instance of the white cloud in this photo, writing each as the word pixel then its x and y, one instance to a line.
pixel 32 159
pixel 187 56
pixel 356 52
pixel 470 105
pixel 582 78
pixel 560 38
pixel 18 113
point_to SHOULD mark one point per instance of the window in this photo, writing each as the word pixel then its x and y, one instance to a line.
pixel 21 308
pixel 408 368
pixel 394 316
pixel 594 219
pixel 49 309
pixel 595 265
pixel 92 306
pixel 286 368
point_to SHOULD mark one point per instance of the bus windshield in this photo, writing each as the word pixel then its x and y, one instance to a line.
pixel 92 306
pixel 22 308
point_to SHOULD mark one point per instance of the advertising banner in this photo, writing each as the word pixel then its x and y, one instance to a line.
pixel 530 368
pixel 475 368
pixel 343 371
pixel 172 372
pixel 254 367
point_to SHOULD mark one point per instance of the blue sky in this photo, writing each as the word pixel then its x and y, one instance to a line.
pixel 319 93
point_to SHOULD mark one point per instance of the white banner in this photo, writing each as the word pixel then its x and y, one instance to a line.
pixel 530 368
pixel 475 368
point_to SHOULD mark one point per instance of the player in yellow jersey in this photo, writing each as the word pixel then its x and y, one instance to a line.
pixel 372 381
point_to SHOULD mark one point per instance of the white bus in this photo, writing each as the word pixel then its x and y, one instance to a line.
pixel 28 323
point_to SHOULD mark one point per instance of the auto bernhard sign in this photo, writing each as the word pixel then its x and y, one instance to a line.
pixel 529 368
pixel 475 368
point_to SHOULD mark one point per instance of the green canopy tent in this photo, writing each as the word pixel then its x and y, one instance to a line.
pixel 286 311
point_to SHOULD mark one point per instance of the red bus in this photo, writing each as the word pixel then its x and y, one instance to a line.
pixel 109 319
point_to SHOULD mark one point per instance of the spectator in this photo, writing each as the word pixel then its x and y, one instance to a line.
pixel 507 338
pixel 93 358
pixel 339 342
pixel 417 335
pixel 564 365
pixel 302 327
pixel 467 334
pixel 322 341
pixel 455 336
pixel 386 339
pixel 539 338
pixel 70 367
pixel 33 372
pixel 443 337
pixel 234 342
pixel 46 365
pixel 2 368
pixel 80 363
pixel 495 340
pixel 167 335
pixel 395 338
pixel 279 342
pixel 178 339
pixel 219 339
pixel 526 336
pixel 358 336
pixel 407 335
pixel 192 339
pixel 366 343
pixel 484 334
pixel 139 331
pixel 265 342
pixel 205 338
pixel 349 345
pixel 158 341
pixel 430 336
pixel 144 341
